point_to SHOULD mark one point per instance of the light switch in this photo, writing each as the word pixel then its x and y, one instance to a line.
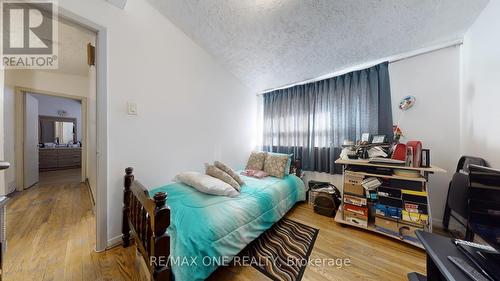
pixel 131 108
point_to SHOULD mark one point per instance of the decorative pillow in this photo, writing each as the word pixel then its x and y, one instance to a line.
pixel 275 165
pixel 288 163
pixel 255 174
pixel 256 160
pixel 206 184
pixel 229 171
pixel 215 172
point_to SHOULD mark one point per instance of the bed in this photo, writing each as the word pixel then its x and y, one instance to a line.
pixel 199 232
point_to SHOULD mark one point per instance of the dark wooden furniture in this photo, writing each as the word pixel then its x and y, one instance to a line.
pixel 439 267
pixel 59 158
pixel 146 220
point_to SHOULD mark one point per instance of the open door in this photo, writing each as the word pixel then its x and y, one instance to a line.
pixel 31 141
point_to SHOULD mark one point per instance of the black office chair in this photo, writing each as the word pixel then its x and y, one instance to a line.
pixel 458 193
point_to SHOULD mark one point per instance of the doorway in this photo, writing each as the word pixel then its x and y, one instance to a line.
pixel 96 106
pixel 54 136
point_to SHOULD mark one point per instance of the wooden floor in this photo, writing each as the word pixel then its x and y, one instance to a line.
pixel 51 236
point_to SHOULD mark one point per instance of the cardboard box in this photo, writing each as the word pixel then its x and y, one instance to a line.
pixel 387 224
pixel 353 178
pixel 408 230
pixel 363 211
pixel 356 220
pixel 355 215
pixel 352 184
pixel 353 200
pixel 354 189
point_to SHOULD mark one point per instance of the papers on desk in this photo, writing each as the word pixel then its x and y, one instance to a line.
pixel 376 152
pixel 371 183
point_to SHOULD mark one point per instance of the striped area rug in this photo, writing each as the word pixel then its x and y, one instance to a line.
pixel 283 250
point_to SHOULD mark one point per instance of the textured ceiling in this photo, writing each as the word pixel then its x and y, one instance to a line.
pixel 270 43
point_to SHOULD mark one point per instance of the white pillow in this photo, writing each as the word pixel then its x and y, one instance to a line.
pixel 206 184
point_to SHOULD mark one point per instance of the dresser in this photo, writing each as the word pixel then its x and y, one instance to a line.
pixel 59 158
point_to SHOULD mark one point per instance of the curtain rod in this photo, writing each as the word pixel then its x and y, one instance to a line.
pixel 391 59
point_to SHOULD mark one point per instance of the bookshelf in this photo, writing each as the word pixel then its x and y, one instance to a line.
pixel 398 214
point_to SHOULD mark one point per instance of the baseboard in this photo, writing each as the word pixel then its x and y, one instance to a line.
pixel 437 222
pixel 11 187
pixel 115 241
pixel 90 191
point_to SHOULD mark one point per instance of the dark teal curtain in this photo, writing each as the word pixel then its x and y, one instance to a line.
pixel 313 120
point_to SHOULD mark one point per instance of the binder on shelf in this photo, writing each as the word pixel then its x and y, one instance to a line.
pixel 419 198
pixel 417 218
pixel 412 192
pixel 389 192
pixel 389 201
pixel 405 184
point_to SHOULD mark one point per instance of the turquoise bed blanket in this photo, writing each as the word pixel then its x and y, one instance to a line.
pixel 208 230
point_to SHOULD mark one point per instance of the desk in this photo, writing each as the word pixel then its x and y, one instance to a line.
pixel 439 267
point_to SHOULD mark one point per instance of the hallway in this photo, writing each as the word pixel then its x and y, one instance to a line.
pixel 51 234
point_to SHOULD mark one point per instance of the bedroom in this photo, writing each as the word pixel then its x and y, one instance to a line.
pixel 183 84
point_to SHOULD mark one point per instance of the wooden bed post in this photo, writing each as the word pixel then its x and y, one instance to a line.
pixel 126 206
pixel 162 271
pixel 298 168
pixel 147 219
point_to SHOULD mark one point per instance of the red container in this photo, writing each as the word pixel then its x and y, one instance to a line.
pixel 417 152
pixel 399 152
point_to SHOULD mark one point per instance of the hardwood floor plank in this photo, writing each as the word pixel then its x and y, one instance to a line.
pixel 51 237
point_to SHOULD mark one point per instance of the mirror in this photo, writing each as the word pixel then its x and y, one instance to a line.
pixel 64 131
pixel 57 130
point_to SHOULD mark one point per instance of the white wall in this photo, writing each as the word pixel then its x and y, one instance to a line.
pixel 434 79
pixel 50 105
pixel 9 156
pixel 481 87
pixel 191 110
pixel 2 142
pixel 74 85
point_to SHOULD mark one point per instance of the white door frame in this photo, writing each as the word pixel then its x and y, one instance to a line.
pixel 20 102
pixel 101 126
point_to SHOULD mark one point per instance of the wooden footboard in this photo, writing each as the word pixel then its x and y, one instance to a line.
pixel 147 220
